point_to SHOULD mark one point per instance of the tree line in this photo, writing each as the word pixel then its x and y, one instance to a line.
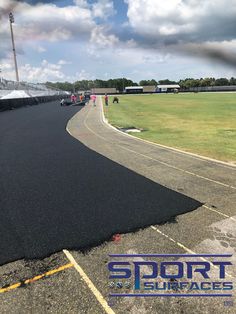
pixel 121 83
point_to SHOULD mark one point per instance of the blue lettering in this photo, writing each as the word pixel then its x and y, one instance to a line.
pixel 137 273
pixel 178 275
pixel 222 268
pixel 203 271
pixel 126 271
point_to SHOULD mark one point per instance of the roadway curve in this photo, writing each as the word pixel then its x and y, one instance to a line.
pixel 56 193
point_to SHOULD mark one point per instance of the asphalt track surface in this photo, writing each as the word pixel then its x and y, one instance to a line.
pixel 55 193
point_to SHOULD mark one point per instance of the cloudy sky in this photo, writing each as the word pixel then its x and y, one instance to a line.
pixel 138 39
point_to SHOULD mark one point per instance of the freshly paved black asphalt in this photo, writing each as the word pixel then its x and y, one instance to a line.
pixel 56 193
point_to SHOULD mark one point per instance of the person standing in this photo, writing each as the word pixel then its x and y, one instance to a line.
pixel 106 100
pixel 93 98
pixel 73 98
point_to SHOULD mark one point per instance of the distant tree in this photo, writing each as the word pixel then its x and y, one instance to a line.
pixel 204 82
pixel 148 82
pixel 189 83
pixel 166 82
pixel 232 81
pixel 121 83
pixel 66 86
pixel 143 83
pixel 213 81
pixel 222 82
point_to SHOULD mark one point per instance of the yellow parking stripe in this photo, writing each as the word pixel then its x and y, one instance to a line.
pixel 31 280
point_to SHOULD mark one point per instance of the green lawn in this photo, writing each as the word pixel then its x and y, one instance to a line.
pixel 199 123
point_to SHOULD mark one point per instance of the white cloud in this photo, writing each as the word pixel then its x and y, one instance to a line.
pixel 103 9
pixel 132 57
pixel 185 27
pixel 40 49
pixel 47 22
pixel 100 38
pixel 93 52
pixel 6 65
pixel 84 75
pixel 186 20
pixel 64 62
pixel 81 3
pixel 45 71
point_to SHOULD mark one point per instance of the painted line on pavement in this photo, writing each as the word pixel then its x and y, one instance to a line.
pixel 185 248
pixel 103 138
pixel 89 283
pixel 218 212
pixel 36 278
pixel 98 135
pixel 157 160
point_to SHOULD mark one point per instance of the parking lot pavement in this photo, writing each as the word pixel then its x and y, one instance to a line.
pixel 62 292
pixel 209 229
pixel 67 292
pixel 145 241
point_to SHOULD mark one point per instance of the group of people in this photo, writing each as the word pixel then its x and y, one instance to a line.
pixel 93 98
pixel 73 98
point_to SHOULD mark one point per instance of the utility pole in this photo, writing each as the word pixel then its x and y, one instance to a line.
pixel 11 20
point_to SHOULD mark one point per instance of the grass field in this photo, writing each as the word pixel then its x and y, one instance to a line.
pixel 199 123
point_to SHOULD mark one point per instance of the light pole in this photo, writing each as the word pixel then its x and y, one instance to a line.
pixel 11 20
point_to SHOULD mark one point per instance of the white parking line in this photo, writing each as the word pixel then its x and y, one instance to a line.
pixel 218 212
pixel 89 283
pixel 185 248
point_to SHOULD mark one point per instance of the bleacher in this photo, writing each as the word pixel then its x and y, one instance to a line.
pixel 33 89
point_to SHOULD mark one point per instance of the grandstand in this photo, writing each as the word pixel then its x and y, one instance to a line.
pixel 32 89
